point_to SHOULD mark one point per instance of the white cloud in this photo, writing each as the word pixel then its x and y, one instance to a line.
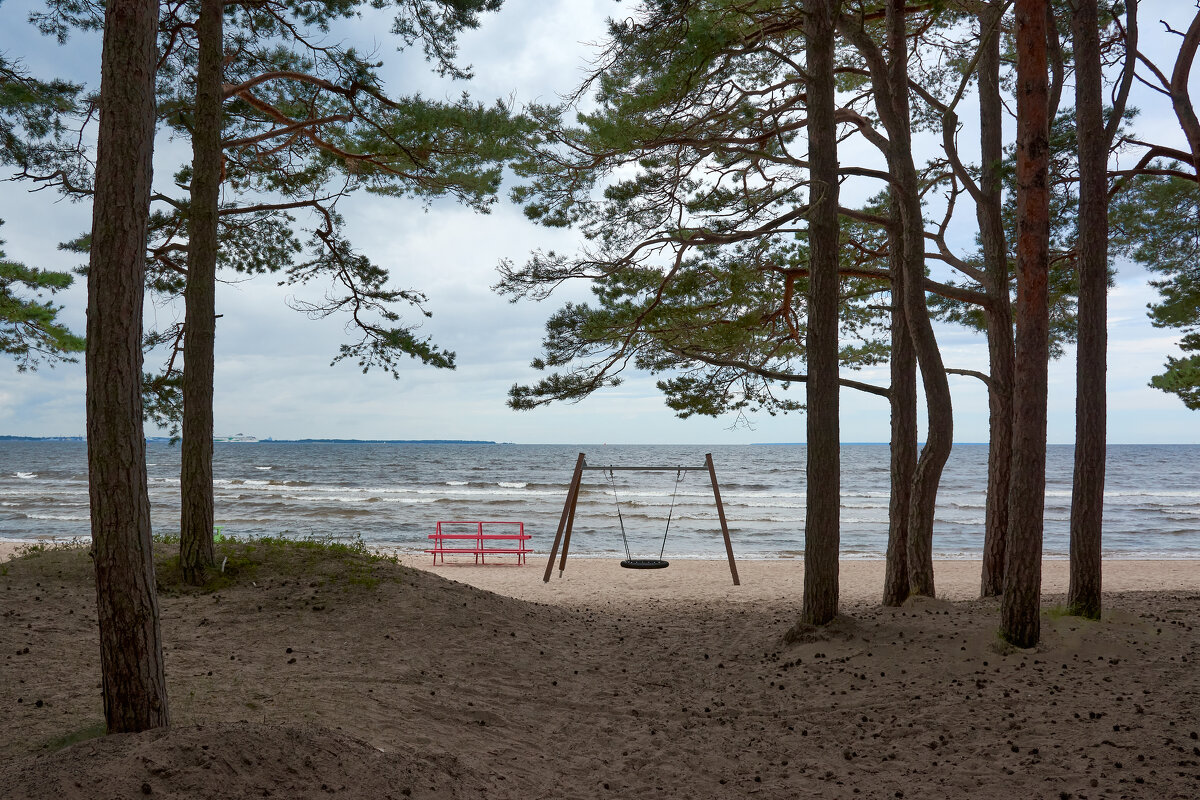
pixel 273 377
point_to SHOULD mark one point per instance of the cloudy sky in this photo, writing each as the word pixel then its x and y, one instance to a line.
pixel 273 377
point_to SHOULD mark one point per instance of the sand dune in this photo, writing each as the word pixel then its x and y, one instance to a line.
pixel 485 682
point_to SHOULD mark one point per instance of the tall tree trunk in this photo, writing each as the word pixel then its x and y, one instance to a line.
pixel 889 80
pixel 131 664
pixel 906 189
pixel 196 486
pixel 903 398
pixel 1020 622
pixel 822 510
pixel 1087 493
pixel 998 310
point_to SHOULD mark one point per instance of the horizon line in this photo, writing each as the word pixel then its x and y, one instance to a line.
pixel 340 440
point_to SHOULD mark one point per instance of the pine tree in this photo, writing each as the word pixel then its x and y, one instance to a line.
pixel 822 509
pixel 131 659
pixel 282 122
pixel 31 129
pixel 1020 621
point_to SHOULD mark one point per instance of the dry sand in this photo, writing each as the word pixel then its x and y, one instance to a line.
pixel 464 681
pixel 595 581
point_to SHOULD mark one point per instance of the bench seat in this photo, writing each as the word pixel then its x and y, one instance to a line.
pixel 484 544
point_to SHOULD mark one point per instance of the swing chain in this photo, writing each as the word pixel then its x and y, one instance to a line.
pixel 621 519
pixel 612 479
pixel 671 513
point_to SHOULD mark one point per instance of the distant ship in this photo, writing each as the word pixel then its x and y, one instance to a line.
pixel 237 437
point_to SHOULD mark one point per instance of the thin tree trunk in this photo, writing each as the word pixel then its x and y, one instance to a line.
pixel 940 435
pixel 131 664
pixel 1087 493
pixel 1000 426
pixel 1181 98
pixel 903 400
pixel 998 311
pixel 196 508
pixel 1020 621
pixel 822 510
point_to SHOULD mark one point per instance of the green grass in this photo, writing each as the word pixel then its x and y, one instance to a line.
pixel 1056 612
pixel 1062 610
pixel 93 730
pixel 1001 646
pixel 320 560
pixel 323 560
pixel 40 548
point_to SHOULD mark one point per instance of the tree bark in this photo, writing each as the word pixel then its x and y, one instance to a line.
pixel 131 664
pixel 998 310
pixel 1020 621
pixel 939 410
pixel 1087 492
pixel 903 400
pixel 889 81
pixel 822 509
pixel 1181 98
pixel 196 487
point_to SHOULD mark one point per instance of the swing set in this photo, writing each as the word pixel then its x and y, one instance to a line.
pixel 567 522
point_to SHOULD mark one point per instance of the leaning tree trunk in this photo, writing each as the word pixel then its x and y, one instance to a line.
pixel 998 310
pixel 1020 622
pixel 196 486
pixel 903 398
pixel 889 80
pixel 1181 97
pixel 940 414
pixel 131 663
pixel 822 509
pixel 1087 493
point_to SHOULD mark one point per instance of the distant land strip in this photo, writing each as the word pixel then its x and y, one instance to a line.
pixel 225 440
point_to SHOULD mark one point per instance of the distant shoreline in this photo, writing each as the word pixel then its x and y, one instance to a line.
pixel 227 440
pixel 251 440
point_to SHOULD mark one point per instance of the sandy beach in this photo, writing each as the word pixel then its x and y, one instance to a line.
pixel 306 680
pixel 592 581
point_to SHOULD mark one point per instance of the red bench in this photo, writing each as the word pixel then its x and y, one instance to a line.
pixel 479 543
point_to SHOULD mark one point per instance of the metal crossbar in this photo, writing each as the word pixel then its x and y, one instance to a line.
pixel 646 469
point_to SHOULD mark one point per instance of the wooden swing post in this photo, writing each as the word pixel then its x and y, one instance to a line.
pixel 567 520
pixel 712 473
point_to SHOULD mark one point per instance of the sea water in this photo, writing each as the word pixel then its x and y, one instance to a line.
pixel 394 495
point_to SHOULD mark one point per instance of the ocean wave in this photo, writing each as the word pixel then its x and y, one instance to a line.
pixel 1130 493
pixel 765 505
pixel 57 517
pixel 25 475
pixel 320 492
pixel 264 468
pixel 318 513
pixel 1150 508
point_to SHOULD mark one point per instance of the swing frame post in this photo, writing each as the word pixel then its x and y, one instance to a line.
pixel 566 522
pixel 566 543
pixel 712 473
